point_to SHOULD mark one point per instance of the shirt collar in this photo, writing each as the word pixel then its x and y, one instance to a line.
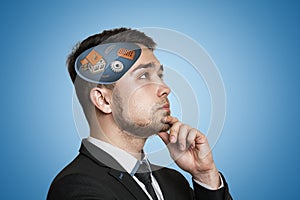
pixel 126 160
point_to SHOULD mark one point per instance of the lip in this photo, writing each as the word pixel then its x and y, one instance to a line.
pixel 166 107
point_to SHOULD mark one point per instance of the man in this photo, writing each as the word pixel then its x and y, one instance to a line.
pixel 119 84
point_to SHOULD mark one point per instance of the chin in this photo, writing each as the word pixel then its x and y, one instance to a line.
pixel 165 128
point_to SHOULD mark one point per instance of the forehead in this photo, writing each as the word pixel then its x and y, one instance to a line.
pixel 147 59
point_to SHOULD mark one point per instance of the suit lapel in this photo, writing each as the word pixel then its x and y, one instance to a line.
pixel 116 170
pixel 99 156
pixel 129 183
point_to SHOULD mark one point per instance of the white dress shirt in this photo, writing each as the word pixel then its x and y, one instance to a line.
pixel 131 164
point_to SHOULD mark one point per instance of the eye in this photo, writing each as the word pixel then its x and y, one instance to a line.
pixel 161 76
pixel 144 75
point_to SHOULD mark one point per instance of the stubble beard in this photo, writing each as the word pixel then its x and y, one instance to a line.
pixel 140 128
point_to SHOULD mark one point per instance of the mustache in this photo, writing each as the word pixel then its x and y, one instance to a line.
pixel 163 103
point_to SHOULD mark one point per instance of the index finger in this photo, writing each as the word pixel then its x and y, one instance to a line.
pixel 171 120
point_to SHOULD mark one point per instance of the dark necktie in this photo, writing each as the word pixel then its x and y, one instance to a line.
pixel 143 174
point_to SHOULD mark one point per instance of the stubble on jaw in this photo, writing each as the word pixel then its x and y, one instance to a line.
pixel 138 128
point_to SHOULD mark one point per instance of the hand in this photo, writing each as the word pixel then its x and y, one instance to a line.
pixel 190 150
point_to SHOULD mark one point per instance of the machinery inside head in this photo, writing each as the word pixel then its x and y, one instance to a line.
pixel 107 63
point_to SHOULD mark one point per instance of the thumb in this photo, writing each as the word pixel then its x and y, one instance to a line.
pixel 164 136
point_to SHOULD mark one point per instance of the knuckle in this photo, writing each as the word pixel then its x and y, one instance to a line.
pixel 203 137
pixel 184 127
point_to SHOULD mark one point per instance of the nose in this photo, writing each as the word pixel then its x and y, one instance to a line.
pixel 163 90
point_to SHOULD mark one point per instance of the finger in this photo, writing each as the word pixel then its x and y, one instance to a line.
pixel 203 145
pixel 171 120
pixel 165 137
pixel 174 132
pixel 182 136
pixel 191 138
pixel 200 138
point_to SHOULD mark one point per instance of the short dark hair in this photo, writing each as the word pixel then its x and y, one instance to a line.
pixel 83 87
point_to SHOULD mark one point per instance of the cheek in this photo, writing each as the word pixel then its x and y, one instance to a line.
pixel 139 105
pixel 142 100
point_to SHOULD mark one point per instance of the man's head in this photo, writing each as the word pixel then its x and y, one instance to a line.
pixel 137 102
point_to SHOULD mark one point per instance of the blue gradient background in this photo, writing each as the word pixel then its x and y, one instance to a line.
pixel 255 45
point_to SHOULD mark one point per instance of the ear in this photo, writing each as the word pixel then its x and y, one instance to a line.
pixel 100 98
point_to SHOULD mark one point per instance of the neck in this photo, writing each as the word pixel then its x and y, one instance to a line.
pixel 119 138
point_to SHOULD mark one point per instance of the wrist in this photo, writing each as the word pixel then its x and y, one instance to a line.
pixel 209 177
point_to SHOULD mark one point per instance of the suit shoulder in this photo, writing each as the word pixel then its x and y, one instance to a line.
pixel 80 177
pixel 77 186
pixel 80 165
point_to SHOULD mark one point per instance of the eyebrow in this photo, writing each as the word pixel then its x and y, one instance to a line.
pixel 148 65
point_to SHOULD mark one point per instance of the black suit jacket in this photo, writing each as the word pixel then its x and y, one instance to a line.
pixel 94 174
